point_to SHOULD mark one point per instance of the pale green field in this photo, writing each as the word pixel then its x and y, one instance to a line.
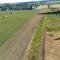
pixel 10 23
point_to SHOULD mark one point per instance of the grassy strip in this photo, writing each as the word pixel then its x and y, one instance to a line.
pixel 10 23
pixel 33 52
pixel 53 22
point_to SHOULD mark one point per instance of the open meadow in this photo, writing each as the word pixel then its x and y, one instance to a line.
pixel 11 21
pixel 30 35
pixel 17 29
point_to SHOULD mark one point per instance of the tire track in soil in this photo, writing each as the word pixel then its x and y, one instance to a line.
pixel 15 47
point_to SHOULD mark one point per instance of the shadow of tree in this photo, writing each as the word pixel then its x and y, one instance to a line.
pixel 55 12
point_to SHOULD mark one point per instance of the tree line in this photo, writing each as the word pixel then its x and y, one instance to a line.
pixel 18 6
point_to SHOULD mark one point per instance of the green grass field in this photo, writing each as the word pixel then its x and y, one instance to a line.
pixel 53 22
pixel 10 23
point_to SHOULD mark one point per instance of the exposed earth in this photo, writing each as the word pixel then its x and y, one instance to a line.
pixel 52 45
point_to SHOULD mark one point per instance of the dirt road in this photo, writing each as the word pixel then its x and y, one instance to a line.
pixel 15 47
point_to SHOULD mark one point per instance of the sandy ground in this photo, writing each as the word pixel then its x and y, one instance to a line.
pixel 15 47
pixel 52 45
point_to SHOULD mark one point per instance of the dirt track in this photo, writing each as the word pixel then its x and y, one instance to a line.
pixel 15 47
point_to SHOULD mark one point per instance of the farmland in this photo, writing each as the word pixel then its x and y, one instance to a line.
pixel 10 23
pixel 30 35
pixel 17 29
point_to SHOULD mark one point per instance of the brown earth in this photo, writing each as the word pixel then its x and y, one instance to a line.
pixel 52 45
pixel 15 47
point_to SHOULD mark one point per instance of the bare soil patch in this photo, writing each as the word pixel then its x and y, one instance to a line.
pixel 52 45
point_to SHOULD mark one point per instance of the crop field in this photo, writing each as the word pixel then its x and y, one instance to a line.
pixel 55 6
pixel 10 22
pixel 53 22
